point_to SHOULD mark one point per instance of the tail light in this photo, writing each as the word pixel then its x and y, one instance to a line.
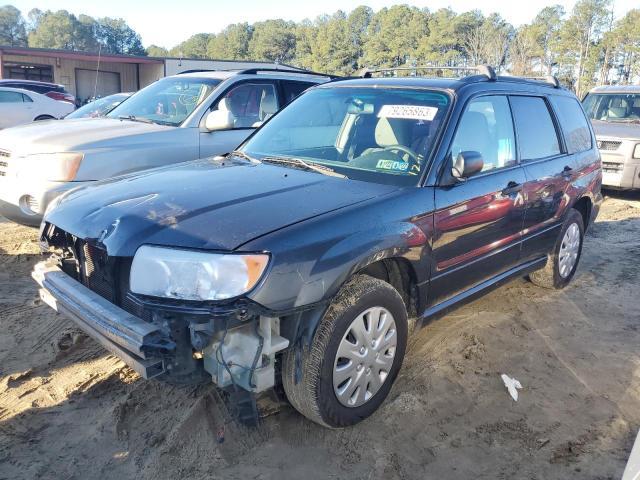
pixel 62 96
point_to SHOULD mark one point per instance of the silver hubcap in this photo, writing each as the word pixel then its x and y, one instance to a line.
pixel 365 356
pixel 569 249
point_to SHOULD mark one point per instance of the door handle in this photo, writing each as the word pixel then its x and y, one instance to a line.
pixel 567 172
pixel 511 188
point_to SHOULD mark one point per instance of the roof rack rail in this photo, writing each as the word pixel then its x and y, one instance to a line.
pixel 254 70
pixel 549 79
pixel 485 70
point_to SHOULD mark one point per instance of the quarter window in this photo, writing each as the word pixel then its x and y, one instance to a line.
pixel 574 124
pixel 486 127
pixel 537 137
pixel 250 104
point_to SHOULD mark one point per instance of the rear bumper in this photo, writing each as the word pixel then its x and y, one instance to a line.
pixel 133 340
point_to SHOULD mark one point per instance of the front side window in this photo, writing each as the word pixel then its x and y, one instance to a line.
pixel 486 127
pixel 168 101
pixel 250 104
pixel 574 124
pixel 11 97
pixel 382 135
pixel 537 137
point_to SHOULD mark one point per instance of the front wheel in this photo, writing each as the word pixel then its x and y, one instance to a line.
pixel 562 262
pixel 356 353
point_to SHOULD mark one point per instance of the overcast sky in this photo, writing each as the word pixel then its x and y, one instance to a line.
pixel 168 22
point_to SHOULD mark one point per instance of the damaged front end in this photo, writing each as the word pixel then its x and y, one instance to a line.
pixel 233 343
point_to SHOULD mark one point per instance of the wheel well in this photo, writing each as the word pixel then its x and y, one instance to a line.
pixel 584 207
pixel 44 117
pixel 399 273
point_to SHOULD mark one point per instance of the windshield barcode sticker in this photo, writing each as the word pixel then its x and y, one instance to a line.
pixel 411 112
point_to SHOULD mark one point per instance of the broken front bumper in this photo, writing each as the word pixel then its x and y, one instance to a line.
pixel 135 341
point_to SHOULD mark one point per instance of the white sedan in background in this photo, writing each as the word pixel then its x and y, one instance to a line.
pixel 19 106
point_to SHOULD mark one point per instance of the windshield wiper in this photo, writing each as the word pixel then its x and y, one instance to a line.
pixel 238 153
pixel 133 118
pixel 304 164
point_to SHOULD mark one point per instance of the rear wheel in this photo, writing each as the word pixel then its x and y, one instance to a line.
pixel 354 358
pixel 43 117
pixel 562 263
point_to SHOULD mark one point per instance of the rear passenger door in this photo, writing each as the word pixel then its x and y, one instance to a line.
pixel 548 170
pixel 478 222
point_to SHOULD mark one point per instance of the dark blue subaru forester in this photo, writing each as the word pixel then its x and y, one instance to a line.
pixel 299 258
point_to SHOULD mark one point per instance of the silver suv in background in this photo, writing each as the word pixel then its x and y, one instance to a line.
pixel 615 114
pixel 184 117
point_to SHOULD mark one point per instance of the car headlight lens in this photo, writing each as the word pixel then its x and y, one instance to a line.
pixel 194 275
pixel 636 151
pixel 56 167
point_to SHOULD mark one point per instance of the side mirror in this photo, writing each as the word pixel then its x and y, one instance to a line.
pixel 218 120
pixel 467 164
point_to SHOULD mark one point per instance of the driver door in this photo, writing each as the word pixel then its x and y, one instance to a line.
pixel 250 103
pixel 478 221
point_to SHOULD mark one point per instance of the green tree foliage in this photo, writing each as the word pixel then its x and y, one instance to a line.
pixel 118 37
pixel 156 51
pixel 62 30
pixel 394 34
pixel 273 40
pixel 583 47
pixel 194 47
pixel 231 43
pixel 13 31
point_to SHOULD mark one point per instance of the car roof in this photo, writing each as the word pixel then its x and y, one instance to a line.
pixel 30 82
pixel 255 72
pixel 18 90
pixel 616 89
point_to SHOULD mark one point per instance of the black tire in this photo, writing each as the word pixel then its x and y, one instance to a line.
pixel 313 395
pixel 549 276
pixel 43 117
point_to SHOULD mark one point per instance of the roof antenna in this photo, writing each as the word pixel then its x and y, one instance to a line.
pixel 95 85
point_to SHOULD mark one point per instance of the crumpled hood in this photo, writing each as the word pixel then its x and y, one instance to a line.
pixel 203 204
pixel 629 131
pixel 71 135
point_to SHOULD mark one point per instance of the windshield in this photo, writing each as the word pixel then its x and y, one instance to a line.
pixel 613 107
pixel 100 107
pixel 381 135
pixel 168 101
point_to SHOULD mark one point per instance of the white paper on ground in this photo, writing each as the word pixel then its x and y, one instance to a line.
pixel 512 385
pixel 632 471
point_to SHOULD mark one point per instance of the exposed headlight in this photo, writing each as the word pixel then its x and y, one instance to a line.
pixel 56 167
pixel 194 275
pixel 636 151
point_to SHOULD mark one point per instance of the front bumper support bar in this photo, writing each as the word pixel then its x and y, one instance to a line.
pixel 123 334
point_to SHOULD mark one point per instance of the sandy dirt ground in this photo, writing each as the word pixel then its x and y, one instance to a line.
pixel 68 410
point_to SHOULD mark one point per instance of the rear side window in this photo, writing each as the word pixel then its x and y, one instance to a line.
pixel 293 89
pixel 574 124
pixel 537 137
pixel 11 97
pixel 26 98
pixel 486 127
